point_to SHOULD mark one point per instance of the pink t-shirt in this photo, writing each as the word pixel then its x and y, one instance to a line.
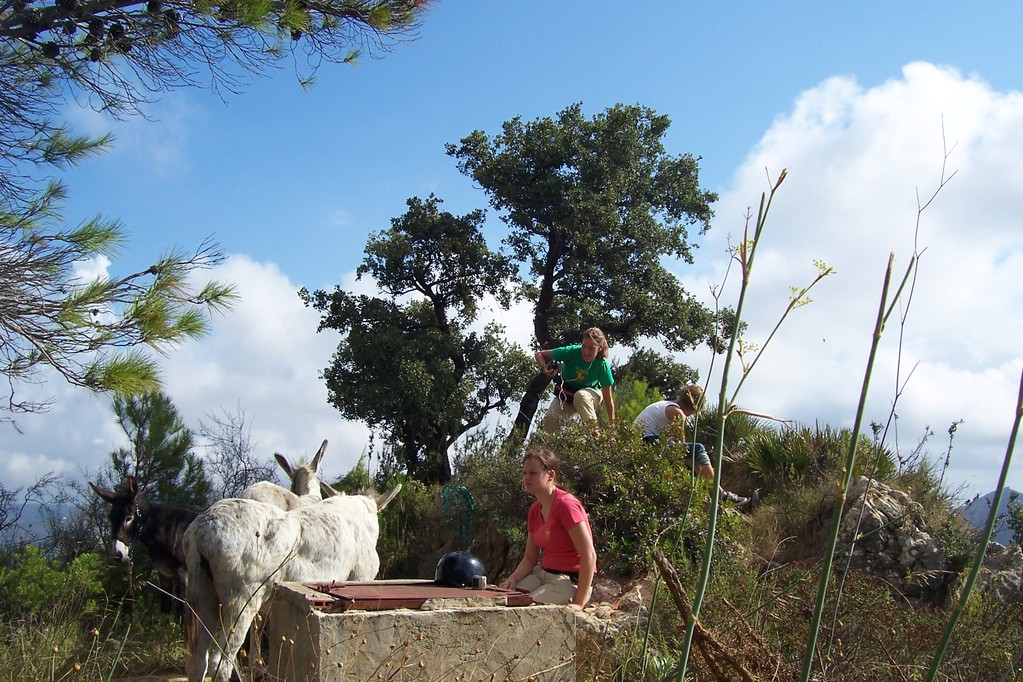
pixel 551 536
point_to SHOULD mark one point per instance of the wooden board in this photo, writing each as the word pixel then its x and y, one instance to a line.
pixel 411 594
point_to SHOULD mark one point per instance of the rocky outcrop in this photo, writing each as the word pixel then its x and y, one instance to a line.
pixel 1001 573
pixel 894 543
pixel 615 614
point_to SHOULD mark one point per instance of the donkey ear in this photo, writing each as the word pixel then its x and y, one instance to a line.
pixel 132 486
pixel 383 500
pixel 285 464
pixel 107 495
pixel 319 455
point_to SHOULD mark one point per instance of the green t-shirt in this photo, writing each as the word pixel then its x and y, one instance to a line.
pixel 578 374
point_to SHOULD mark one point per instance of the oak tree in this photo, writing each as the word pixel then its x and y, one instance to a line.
pixel 411 363
pixel 594 206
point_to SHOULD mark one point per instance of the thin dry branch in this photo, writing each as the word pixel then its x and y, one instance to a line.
pixel 726 663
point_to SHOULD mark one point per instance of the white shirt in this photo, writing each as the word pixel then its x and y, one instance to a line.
pixel 653 419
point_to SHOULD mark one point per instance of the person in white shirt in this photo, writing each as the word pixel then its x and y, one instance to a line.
pixel 657 417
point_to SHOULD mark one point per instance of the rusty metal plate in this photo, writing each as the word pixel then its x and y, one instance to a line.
pixel 410 594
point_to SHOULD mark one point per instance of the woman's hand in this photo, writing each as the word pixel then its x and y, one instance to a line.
pixel 508 584
pixel 547 365
pixel 575 607
pixel 583 543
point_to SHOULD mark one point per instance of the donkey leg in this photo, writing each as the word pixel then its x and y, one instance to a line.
pixel 201 621
pixel 234 638
pixel 199 651
pixel 220 666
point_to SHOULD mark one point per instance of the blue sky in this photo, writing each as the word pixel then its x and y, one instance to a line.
pixel 858 101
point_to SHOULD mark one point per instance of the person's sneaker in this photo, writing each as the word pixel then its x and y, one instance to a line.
pixel 737 500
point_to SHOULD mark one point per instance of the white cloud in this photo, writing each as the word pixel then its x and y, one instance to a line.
pixel 859 162
pixel 340 217
pixel 94 268
pixel 158 140
pixel 75 436
pixel 265 357
pixel 26 467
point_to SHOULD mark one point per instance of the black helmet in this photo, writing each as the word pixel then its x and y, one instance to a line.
pixel 457 569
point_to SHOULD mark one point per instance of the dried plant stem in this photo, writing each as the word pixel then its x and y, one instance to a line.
pixel 978 560
pixel 716 655
pixel 745 254
pixel 843 486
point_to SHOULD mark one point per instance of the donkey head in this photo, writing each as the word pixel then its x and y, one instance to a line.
pixel 124 516
pixel 305 477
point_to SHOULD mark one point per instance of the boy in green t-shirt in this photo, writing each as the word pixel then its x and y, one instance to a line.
pixel 586 380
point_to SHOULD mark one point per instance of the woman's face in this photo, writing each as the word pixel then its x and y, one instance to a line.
pixel 534 476
pixel 590 349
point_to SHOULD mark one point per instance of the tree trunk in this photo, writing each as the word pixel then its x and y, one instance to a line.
pixel 527 408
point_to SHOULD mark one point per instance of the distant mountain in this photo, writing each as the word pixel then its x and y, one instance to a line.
pixel 976 512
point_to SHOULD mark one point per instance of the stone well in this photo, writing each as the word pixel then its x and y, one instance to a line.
pixel 437 635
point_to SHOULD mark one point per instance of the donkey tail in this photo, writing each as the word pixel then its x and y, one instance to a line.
pixel 201 602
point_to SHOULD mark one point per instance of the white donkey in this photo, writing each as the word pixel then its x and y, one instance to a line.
pixel 238 548
pixel 306 488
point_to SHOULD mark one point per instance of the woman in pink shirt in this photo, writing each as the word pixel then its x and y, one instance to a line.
pixel 559 528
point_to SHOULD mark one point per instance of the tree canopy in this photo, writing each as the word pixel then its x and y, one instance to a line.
pixel 91 331
pixel 116 57
pixel 594 206
pixel 410 361
pixel 656 371
pixel 160 453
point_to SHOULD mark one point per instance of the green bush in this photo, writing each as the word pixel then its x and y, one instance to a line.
pixel 409 527
pixel 631 397
pixel 356 481
pixel 779 459
pixel 58 622
pixel 633 493
pixel 29 583
pixel 490 470
pixel 636 497
pixel 741 430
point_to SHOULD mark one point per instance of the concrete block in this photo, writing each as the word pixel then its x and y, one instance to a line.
pixel 445 640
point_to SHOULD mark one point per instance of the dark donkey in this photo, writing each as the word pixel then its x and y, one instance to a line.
pixel 159 527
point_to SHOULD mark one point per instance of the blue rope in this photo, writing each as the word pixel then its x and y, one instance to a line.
pixel 458 505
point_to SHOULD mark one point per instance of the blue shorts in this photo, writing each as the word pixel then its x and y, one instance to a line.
pixel 694 449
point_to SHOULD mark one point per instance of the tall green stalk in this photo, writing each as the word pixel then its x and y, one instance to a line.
pixel 745 255
pixel 883 314
pixel 978 560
